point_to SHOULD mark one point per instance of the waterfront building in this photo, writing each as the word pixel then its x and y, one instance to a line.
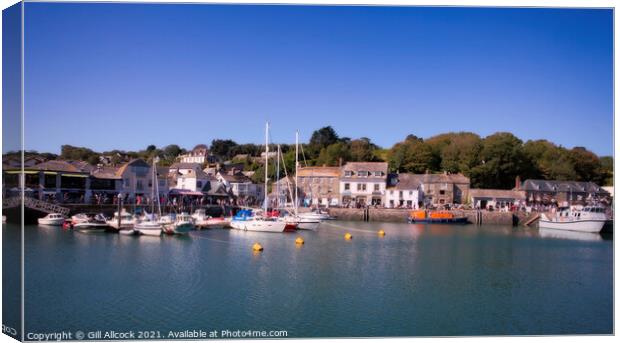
pixel 54 180
pixel 404 190
pixel 546 192
pixel 104 184
pixel 136 179
pixel 193 180
pixel 444 188
pixel 319 186
pixel 241 187
pixel 497 198
pixel 199 154
pixel 183 168
pixel 363 183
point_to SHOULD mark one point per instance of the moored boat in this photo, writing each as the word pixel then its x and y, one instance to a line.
pixel 55 219
pixel 127 220
pixel 435 217
pixel 96 223
pixel 589 219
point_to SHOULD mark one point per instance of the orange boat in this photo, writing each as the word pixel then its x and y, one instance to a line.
pixel 444 217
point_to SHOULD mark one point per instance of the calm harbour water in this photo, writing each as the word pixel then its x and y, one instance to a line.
pixel 416 281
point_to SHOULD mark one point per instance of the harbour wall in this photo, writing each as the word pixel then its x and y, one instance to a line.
pixel 400 215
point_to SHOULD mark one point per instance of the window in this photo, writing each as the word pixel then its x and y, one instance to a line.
pixel 139 185
pixel 377 187
pixel 362 173
pixel 199 184
pixel 348 173
pixel 378 173
pixel 125 182
pixel 400 194
pixel 361 186
pixel 442 192
pixel 347 186
pixel 410 192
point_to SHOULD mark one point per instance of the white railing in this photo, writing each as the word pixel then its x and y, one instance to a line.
pixel 35 204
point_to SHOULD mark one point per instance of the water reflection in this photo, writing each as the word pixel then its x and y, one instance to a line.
pixel 574 235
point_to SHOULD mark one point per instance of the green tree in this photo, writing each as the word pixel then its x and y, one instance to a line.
pixel 501 160
pixel 222 148
pixel 412 155
pixel 320 139
pixel 362 150
pixel 332 154
pixel 587 165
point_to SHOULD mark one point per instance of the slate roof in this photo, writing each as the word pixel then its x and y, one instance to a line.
pixel 105 173
pixel 318 171
pixel 185 165
pixel 60 166
pixel 561 186
pixel 496 193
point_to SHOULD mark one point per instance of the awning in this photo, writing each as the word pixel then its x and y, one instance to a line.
pixel 50 173
pixel 75 175
pixel 19 172
pixel 184 192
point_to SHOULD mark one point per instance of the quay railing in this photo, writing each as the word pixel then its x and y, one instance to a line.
pixel 34 204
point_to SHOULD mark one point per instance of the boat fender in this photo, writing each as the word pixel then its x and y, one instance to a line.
pixel 348 236
pixel 299 241
pixel 257 247
pixel 381 233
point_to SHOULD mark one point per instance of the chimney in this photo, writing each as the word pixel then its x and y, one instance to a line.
pixel 518 182
pixel 340 162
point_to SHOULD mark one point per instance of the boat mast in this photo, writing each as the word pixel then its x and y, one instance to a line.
pixel 266 161
pixel 156 185
pixel 296 165
pixel 278 178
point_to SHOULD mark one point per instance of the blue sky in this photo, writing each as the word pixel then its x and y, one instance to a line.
pixel 125 76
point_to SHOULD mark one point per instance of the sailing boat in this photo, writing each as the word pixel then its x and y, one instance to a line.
pixel 304 222
pixel 151 226
pixel 261 223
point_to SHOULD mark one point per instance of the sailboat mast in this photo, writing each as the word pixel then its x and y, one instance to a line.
pixel 278 178
pixel 296 166
pixel 266 161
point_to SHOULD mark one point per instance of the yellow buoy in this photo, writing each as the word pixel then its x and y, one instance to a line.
pixel 299 240
pixel 381 233
pixel 257 247
pixel 347 236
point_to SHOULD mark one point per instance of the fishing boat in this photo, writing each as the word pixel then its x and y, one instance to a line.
pixel 182 224
pixel 588 219
pixel 435 217
pixel 260 223
pixel 127 221
pixel 151 226
pixel 55 219
pixel 96 223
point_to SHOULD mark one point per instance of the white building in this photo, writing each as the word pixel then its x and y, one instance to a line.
pixel 137 179
pixel 363 183
pixel 242 186
pixel 404 191
pixel 200 155
pixel 192 181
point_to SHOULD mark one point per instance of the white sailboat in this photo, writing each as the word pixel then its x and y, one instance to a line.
pixel 261 223
pixel 151 226
pixel 304 222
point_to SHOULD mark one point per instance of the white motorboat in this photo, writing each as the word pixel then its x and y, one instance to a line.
pixel 80 218
pixel 589 219
pixel 259 224
pixel 127 221
pixel 56 219
pixel 96 223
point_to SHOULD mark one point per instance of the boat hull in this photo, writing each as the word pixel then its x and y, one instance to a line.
pixel 259 225
pixel 458 220
pixel 54 222
pixel 308 225
pixel 589 225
